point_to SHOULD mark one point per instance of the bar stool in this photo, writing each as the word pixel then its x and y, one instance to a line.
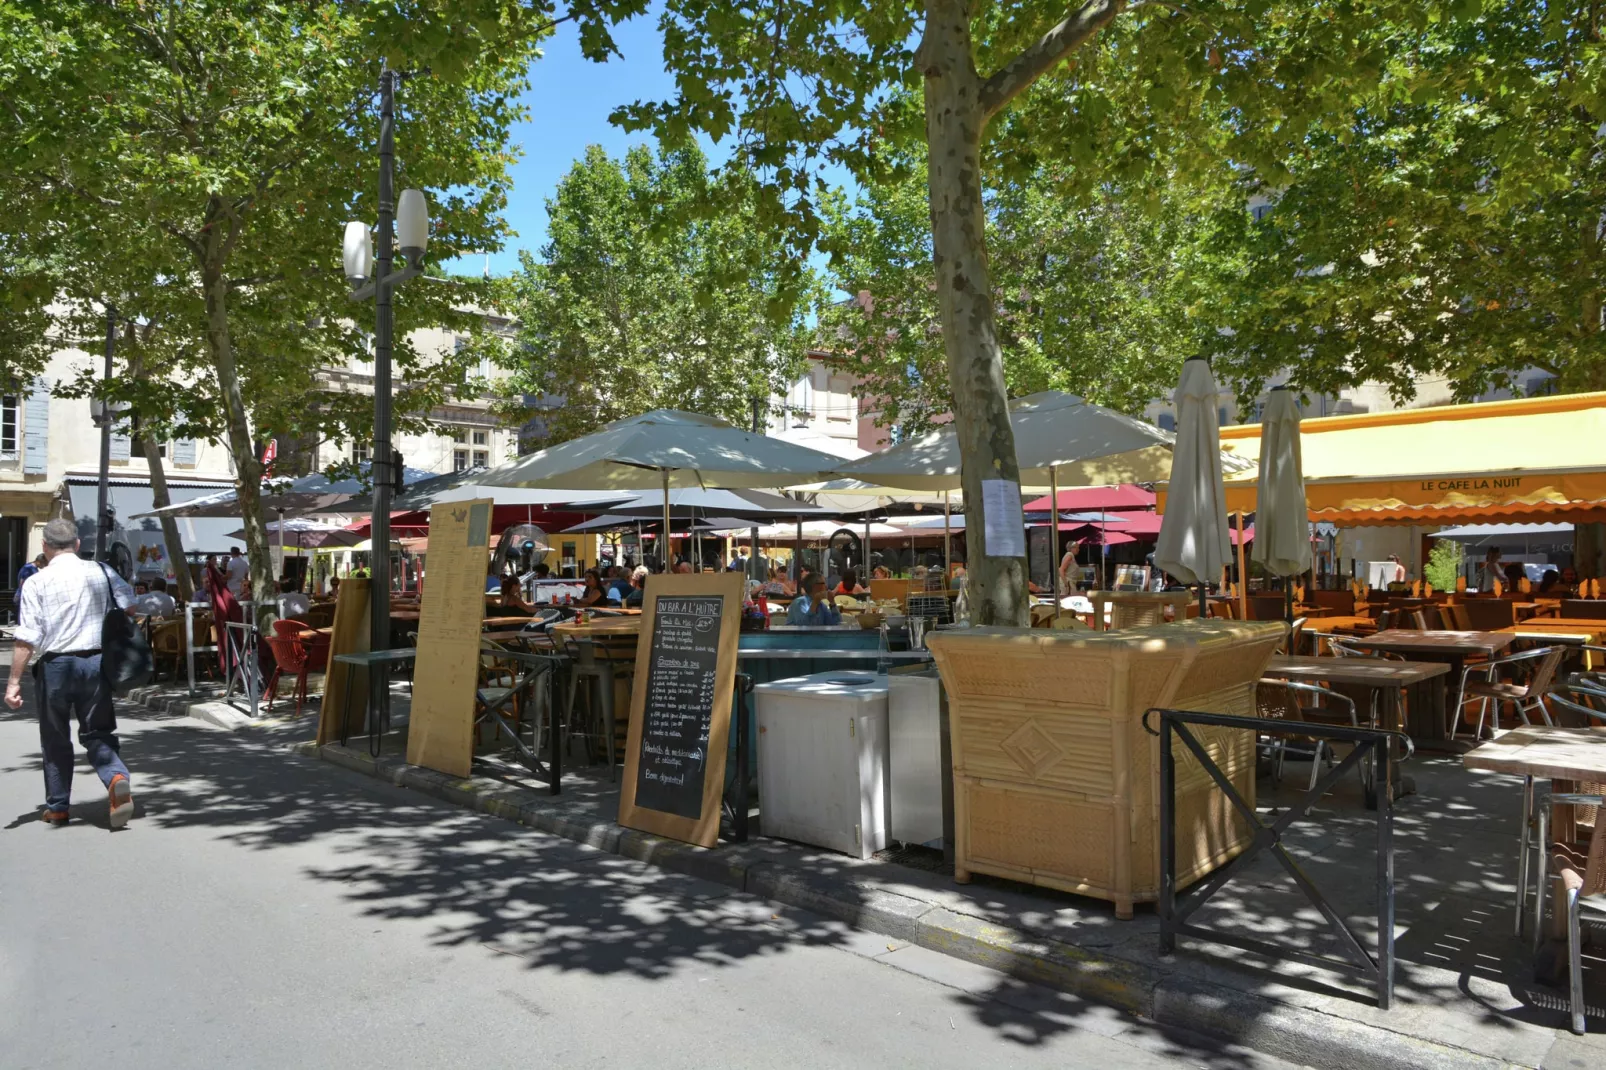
pixel 597 662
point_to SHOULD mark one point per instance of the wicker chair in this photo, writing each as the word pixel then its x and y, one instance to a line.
pixel 1329 707
pixel 1525 697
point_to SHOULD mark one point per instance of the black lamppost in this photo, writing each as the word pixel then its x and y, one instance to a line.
pixel 367 262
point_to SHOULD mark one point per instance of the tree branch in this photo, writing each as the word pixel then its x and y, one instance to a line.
pixel 1012 79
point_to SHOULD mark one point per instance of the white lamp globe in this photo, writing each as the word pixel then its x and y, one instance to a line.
pixel 412 223
pixel 358 251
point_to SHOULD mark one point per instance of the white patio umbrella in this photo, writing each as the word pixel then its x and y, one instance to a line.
pixel 663 449
pixel 1060 441
pixel 1282 524
pixel 1059 438
pixel 1193 542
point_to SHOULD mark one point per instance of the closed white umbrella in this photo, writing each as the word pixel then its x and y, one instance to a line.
pixel 1282 525
pixel 1193 534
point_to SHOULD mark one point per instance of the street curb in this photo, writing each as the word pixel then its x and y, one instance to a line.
pixel 1300 1035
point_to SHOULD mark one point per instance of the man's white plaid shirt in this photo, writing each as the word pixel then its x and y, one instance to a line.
pixel 61 607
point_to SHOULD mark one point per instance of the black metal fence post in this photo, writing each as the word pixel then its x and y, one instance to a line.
pixel 1168 839
pixel 1175 908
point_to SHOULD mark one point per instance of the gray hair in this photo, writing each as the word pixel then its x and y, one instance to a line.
pixel 61 534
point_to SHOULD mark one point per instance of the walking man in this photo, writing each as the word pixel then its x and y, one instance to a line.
pixel 59 618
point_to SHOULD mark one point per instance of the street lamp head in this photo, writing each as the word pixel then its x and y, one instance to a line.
pixel 358 251
pixel 412 225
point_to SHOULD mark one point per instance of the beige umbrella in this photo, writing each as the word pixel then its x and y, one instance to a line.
pixel 1282 524
pixel 663 449
pixel 1193 542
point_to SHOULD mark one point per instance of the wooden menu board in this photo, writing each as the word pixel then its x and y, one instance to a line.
pixel 440 731
pixel 348 635
pixel 680 708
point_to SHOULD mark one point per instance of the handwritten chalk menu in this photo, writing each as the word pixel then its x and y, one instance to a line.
pixel 681 706
pixel 440 733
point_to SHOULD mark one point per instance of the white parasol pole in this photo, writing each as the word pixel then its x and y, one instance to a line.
pixel 666 542
pixel 947 547
pixel 281 542
pixel 866 567
pixel 797 552
pixel 1054 531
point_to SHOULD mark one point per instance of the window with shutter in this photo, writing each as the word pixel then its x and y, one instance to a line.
pixel 120 446
pixel 184 452
pixel 36 430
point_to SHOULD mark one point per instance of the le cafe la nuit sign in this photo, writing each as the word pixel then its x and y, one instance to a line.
pixel 1473 483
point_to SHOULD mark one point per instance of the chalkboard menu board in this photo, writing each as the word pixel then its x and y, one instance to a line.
pixel 681 706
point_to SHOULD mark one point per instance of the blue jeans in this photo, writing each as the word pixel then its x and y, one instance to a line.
pixel 71 687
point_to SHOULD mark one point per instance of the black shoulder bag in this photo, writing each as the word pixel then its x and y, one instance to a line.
pixel 125 653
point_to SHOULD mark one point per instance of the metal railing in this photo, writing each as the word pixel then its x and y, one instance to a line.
pixel 1176 907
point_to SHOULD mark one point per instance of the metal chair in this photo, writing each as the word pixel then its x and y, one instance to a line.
pixel 1340 712
pixel 1580 869
pixel 1524 697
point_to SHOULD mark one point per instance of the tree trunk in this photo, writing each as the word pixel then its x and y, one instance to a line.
pixel 160 500
pixel 247 468
pixel 954 122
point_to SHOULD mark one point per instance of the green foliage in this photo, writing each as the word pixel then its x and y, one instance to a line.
pixel 1444 564
pixel 148 148
pixel 1448 224
pixel 637 303
pixel 1091 290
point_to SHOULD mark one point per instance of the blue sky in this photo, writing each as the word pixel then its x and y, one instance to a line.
pixel 569 100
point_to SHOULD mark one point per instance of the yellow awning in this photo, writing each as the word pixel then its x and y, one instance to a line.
pixel 1527 460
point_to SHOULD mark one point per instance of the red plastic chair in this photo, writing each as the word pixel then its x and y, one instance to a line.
pixel 292 655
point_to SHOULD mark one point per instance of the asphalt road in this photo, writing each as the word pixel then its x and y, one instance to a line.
pixel 269 911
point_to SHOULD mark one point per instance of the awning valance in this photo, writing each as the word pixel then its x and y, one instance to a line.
pixel 1530 460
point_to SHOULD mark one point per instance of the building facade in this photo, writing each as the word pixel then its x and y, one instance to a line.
pixel 50 457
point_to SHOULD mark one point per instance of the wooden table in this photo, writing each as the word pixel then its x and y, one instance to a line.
pixel 1561 754
pixel 1427 725
pixel 1354 625
pixel 1389 679
pixel 600 626
pixel 1564 633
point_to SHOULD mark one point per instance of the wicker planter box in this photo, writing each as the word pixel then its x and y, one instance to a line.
pixel 1056 783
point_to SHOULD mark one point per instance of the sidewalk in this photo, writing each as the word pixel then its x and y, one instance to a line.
pixel 1464 990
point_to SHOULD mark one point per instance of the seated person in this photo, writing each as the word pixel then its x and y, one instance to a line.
pixel 593 594
pixel 513 596
pixel 812 607
pixel 157 602
pixel 1569 577
pixel 881 572
pixel 292 603
pixel 542 572
pixel 850 583
pixel 493 582
pixel 618 584
pixel 1551 584
pixel 778 586
pixel 638 587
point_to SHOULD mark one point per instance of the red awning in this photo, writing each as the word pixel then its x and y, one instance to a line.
pixel 1082 499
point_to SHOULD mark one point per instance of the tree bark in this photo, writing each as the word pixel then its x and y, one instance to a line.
pixel 247 468
pixel 170 538
pixel 954 122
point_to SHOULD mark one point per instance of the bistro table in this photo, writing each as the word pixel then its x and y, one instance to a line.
pixel 1351 625
pixel 1388 679
pixel 1564 633
pixel 1561 754
pixel 1427 719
